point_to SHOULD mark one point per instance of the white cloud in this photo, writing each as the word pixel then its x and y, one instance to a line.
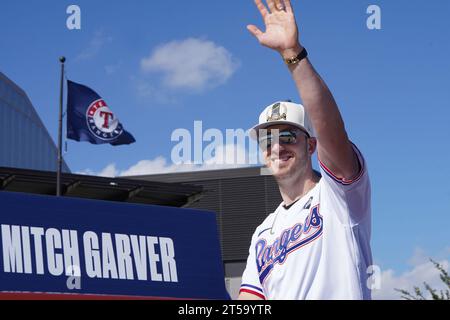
pixel 193 64
pixel 226 157
pixel 110 171
pixel 87 172
pixel 146 90
pixel 158 165
pixel 419 257
pixel 95 46
pixel 422 270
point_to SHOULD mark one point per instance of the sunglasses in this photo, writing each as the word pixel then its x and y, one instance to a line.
pixel 283 137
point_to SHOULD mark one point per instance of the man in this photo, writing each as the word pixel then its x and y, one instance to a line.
pixel 316 245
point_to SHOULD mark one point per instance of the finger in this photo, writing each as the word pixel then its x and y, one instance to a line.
pixel 271 5
pixel 288 6
pixel 279 5
pixel 255 31
pixel 262 8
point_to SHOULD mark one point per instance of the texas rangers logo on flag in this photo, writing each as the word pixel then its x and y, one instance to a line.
pixel 90 119
pixel 102 122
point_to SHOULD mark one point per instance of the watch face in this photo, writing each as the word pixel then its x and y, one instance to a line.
pixel 292 61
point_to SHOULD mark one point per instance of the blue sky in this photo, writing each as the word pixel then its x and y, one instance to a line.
pixel 392 86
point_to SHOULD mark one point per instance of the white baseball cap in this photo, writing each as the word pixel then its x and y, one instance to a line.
pixel 283 113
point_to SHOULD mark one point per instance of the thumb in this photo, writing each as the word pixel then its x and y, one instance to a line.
pixel 255 31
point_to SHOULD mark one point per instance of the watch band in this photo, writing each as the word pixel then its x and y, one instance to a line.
pixel 302 55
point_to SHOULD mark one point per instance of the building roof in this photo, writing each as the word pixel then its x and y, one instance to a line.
pixel 90 187
pixel 205 174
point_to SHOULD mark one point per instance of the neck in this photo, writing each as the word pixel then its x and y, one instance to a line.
pixel 294 188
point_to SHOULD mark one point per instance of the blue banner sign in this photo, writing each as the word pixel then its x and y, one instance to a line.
pixel 77 246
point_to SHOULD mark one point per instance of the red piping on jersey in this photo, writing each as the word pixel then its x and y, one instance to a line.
pixel 259 295
pixel 342 180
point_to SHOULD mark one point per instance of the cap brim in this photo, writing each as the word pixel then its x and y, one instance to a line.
pixel 254 131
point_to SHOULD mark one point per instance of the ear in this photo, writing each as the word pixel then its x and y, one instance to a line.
pixel 312 145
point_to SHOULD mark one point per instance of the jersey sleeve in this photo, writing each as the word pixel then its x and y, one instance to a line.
pixel 352 196
pixel 250 278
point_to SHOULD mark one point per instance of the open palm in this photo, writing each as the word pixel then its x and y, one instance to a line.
pixel 281 28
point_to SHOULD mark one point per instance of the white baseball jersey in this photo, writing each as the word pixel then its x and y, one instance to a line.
pixel 318 248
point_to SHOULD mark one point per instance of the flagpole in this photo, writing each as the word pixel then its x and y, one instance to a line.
pixel 60 119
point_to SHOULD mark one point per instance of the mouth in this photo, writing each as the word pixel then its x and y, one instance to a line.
pixel 283 158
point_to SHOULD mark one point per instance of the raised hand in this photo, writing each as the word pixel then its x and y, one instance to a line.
pixel 281 32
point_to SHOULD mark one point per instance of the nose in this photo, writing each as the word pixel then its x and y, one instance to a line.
pixel 276 148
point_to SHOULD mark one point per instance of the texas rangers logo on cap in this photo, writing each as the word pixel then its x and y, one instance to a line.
pixel 102 122
pixel 277 112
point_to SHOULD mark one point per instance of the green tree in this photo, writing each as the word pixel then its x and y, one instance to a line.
pixel 435 295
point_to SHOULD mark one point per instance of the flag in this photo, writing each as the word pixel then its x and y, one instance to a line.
pixel 90 119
